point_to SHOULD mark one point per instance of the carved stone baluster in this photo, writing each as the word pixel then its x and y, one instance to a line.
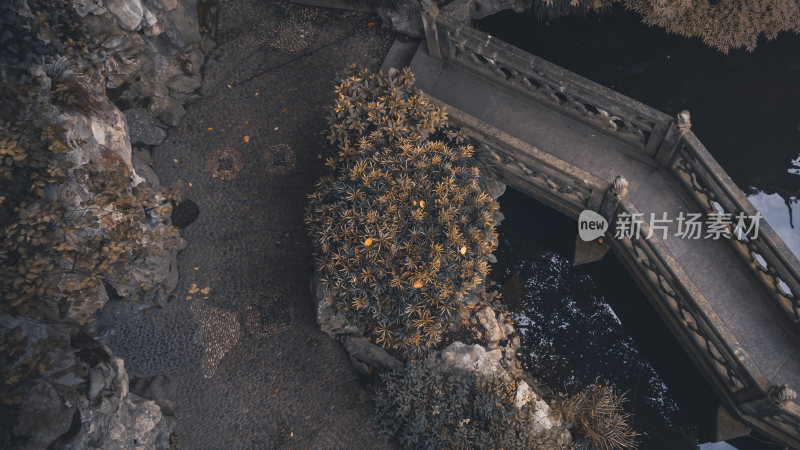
pixel 667 151
pixel 429 13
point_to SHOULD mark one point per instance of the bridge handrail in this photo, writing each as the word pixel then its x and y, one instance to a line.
pixel 688 306
pixel 705 336
pixel 590 102
pixel 570 189
pixel 631 121
pixel 775 266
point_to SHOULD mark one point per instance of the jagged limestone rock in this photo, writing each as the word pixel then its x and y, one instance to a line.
pixel 460 356
pixel 494 331
pixel 128 13
pixel 329 320
pixel 367 356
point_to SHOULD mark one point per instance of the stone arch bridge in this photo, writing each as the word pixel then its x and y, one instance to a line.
pixel 732 303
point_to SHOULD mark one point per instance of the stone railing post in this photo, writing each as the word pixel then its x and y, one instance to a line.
pixel 613 195
pixel 586 252
pixel 679 127
pixel 429 14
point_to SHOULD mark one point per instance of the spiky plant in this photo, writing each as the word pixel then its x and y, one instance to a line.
pixel 69 87
pixel 599 416
pixel 402 229
pixel 423 407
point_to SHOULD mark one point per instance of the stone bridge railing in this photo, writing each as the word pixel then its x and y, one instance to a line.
pixel 653 132
pixel 672 145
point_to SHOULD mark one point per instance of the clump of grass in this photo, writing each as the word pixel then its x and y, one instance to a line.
pixel 598 414
pixel 70 89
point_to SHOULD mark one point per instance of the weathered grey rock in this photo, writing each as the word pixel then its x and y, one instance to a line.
pixel 117 419
pixel 166 5
pixel 184 84
pixel 172 114
pixel 486 317
pixel 145 171
pixel 330 321
pixel 84 7
pixel 128 13
pixel 460 356
pixel 142 129
pixel 543 417
pixel 405 17
pixel 159 388
pixel 367 356
pixel 149 19
pixel 43 416
pixel 180 23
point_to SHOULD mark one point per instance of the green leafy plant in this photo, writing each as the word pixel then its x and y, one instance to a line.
pixel 403 229
pixel 422 407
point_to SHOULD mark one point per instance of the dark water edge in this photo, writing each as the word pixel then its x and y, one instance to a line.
pixel 591 324
pixel 745 106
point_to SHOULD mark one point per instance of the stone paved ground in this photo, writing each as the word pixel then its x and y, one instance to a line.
pixel 253 370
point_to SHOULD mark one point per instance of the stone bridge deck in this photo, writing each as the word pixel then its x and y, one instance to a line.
pixel 737 307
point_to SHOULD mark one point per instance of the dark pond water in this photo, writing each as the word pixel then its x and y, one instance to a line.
pixel 591 324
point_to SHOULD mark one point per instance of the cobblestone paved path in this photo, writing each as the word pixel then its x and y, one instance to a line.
pixel 252 369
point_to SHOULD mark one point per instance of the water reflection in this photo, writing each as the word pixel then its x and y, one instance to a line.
pixel 782 215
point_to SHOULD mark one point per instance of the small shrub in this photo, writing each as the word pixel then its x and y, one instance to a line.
pixel 403 229
pixel 598 415
pixel 422 407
